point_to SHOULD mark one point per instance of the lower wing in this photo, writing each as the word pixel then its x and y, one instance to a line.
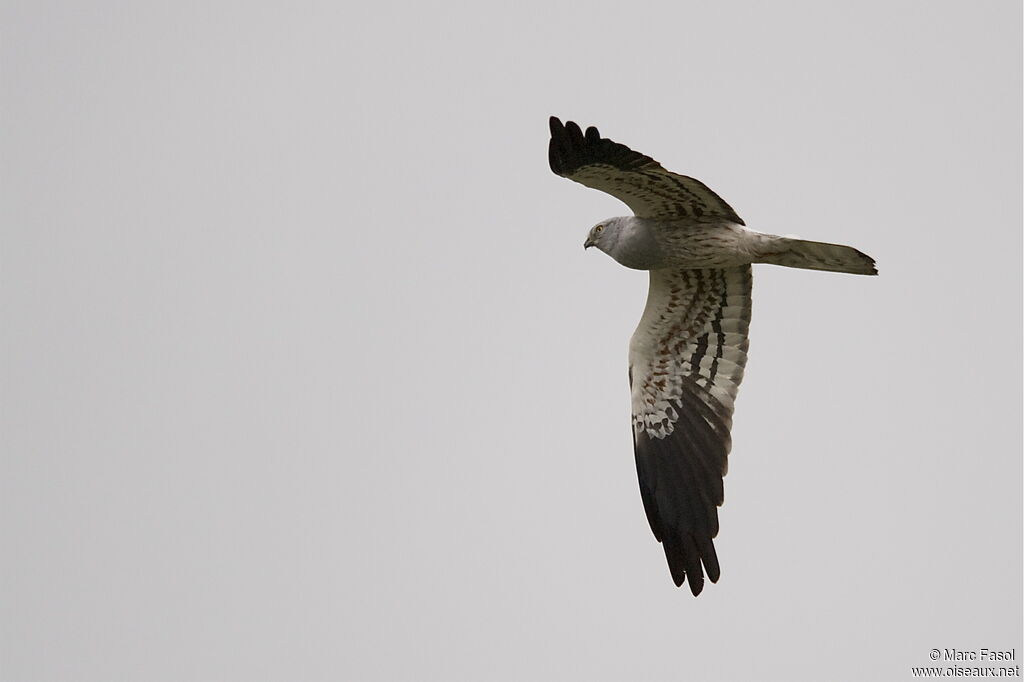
pixel 686 363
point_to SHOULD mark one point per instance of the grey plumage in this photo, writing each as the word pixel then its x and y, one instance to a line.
pixel 647 244
pixel 687 355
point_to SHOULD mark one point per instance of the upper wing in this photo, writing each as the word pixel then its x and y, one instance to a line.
pixel 686 362
pixel 649 190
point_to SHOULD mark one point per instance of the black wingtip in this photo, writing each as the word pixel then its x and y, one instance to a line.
pixel 681 487
pixel 684 562
pixel 676 563
pixel 694 571
pixel 710 559
pixel 570 148
pixel 566 146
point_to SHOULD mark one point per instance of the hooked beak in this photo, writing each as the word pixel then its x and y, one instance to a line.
pixel 587 244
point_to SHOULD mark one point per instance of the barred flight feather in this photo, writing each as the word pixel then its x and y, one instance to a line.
pixel 686 364
pixel 637 180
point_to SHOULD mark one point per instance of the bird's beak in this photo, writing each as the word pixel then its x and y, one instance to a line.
pixel 587 244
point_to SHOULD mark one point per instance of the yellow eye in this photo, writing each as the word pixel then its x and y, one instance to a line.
pixel 597 230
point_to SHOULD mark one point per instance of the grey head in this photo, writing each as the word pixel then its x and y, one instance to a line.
pixel 629 240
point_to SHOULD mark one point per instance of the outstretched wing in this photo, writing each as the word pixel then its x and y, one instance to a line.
pixel 686 362
pixel 639 181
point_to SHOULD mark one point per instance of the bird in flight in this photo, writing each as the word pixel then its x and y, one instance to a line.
pixel 687 355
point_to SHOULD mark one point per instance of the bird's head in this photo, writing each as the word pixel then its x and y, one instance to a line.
pixel 604 235
pixel 631 241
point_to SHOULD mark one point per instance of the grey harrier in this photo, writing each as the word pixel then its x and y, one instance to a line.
pixel 687 355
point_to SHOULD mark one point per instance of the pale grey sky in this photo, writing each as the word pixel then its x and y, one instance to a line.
pixel 306 376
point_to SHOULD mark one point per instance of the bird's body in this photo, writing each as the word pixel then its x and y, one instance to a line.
pixel 653 244
pixel 688 353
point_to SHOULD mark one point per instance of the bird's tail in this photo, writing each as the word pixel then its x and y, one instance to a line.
pixel 799 253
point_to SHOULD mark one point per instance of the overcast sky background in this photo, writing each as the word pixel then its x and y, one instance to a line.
pixel 306 376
